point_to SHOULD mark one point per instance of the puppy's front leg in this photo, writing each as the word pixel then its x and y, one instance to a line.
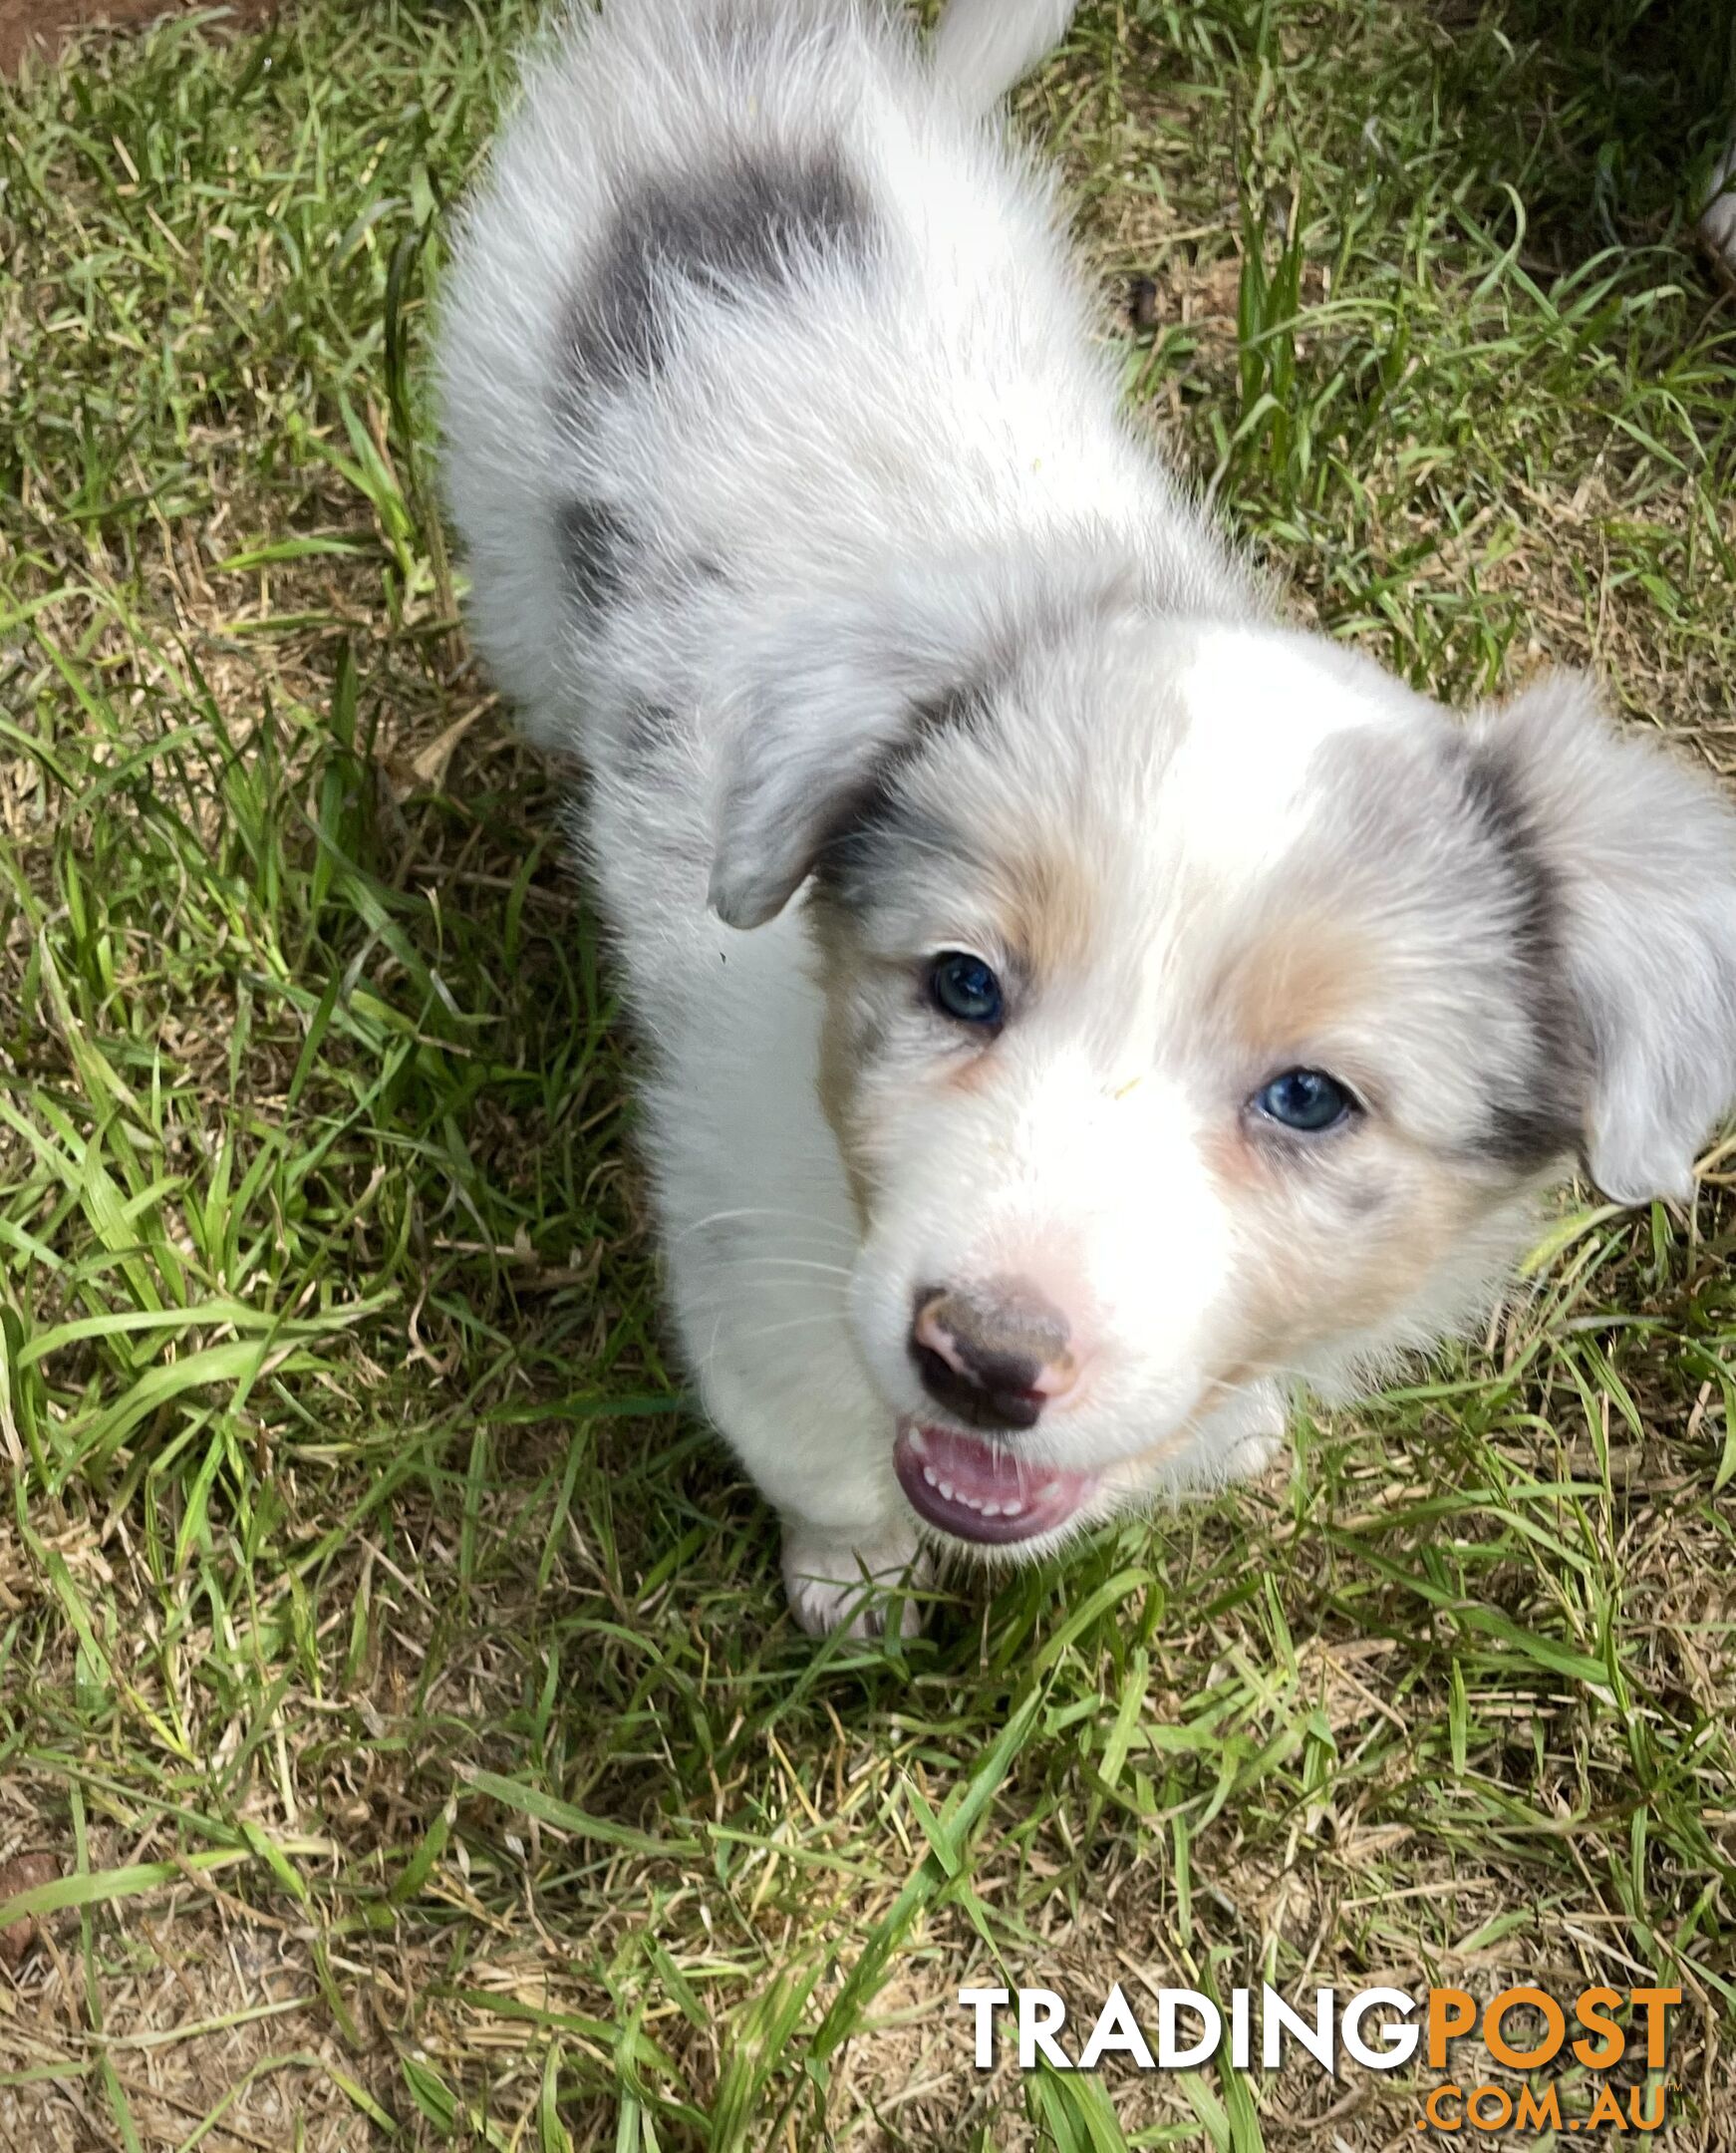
pixel 837 1583
pixel 787 1392
pixel 1719 218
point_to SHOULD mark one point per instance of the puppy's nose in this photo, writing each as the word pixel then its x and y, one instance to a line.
pixel 993 1355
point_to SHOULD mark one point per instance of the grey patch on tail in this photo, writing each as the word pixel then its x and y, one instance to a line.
pixel 754 221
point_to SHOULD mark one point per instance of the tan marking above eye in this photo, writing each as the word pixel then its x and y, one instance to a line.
pixel 1294 983
pixel 1047 909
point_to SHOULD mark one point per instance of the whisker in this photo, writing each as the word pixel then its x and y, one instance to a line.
pixel 789 1262
pixel 828 1317
pixel 773 1241
pixel 829 1228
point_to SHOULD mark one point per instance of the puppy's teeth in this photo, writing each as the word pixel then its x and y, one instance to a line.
pixel 991 1509
pixel 917 1444
pixel 928 1473
pixel 1012 1509
pixel 946 1489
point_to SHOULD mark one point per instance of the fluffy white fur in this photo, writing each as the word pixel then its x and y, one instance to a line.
pixel 799 504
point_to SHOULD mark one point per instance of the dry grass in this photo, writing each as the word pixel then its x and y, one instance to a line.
pixel 391 1670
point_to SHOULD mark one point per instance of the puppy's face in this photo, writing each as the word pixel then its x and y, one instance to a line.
pixel 1167 1057
pixel 1201 1007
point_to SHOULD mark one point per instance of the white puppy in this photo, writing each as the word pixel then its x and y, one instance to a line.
pixel 1079 1007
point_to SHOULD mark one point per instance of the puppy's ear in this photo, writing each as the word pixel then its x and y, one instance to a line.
pixel 820 700
pixel 826 696
pixel 1638 858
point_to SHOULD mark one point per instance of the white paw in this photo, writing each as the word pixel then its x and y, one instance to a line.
pixel 1718 218
pixel 1254 1456
pixel 1255 1434
pixel 834 1585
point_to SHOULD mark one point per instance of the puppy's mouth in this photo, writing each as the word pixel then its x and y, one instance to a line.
pixel 976 1489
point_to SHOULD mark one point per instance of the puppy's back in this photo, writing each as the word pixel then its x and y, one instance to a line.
pixel 605 175
pixel 752 296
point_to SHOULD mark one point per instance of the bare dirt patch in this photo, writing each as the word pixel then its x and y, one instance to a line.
pixel 40 28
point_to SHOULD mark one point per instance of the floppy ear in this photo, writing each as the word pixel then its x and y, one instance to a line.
pixel 828 695
pixel 822 699
pixel 1639 862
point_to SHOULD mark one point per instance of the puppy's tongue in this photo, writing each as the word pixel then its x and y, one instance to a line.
pixel 981 1490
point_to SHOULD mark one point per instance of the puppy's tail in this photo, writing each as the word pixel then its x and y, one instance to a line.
pixel 983 47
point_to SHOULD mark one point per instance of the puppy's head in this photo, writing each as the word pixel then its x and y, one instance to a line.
pixel 1203 1007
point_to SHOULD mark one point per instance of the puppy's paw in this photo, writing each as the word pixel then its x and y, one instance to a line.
pixel 1718 218
pixel 1255 1434
pixel 1256 1455
pixel 834 1585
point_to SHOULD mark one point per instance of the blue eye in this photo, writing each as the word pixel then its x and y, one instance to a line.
pixel 964 988
pixel 1304 1099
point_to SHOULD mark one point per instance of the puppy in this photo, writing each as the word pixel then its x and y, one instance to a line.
pixel 1080 1008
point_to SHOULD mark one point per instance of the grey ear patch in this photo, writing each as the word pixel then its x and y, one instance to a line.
pixel 744 897
pixel 834 700
pixel 754 220
pixel 1642 853
pixel 771 826
pixel 1542 1117
pixel 833 827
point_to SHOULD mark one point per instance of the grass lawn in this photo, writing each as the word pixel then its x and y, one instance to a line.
pixel 402 1737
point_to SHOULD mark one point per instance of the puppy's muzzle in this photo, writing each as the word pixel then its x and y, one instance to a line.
pixel 993 1355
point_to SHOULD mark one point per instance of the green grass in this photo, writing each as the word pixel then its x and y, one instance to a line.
pixel 389 1662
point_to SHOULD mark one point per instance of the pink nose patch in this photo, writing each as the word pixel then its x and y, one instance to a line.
pixel 979 1490
pixel 1006 1322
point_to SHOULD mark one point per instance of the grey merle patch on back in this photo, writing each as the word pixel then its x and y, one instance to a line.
pixel 755 220
pixel 595 540
pixel 653 729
